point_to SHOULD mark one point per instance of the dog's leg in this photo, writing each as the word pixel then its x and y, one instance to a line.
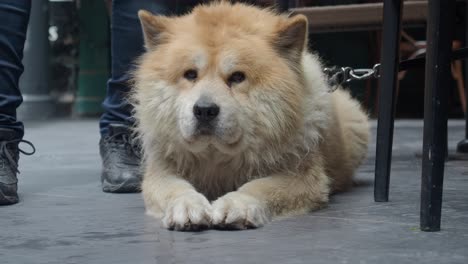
pixel 257 201
pixel 183 207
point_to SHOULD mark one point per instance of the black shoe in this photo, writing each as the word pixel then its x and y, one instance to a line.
pixel 9 156
pixel 120 161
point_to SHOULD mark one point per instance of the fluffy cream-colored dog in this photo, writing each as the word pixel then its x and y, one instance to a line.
pixel 236 121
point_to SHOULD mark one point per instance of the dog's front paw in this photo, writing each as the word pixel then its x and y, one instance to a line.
pixel 237 211
pixel 189 212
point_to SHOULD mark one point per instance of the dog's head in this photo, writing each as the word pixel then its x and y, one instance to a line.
pixel 225 75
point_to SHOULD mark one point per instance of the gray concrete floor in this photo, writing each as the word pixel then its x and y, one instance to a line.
pixel 63 216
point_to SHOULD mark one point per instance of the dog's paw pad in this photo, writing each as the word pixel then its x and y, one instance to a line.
pixel 190 212
pixel 237 211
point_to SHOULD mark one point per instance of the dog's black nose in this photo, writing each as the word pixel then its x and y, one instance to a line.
pixel 205 110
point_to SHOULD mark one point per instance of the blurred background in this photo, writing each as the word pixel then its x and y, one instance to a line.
pixel 67 60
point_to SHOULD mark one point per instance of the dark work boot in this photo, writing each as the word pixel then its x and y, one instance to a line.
pixel 9 156
pixel 120 161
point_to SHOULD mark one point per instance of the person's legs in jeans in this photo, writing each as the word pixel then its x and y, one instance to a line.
pixel 119 154
pixel 14 17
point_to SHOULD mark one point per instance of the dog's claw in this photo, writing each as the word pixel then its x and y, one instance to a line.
pixel 237 211
pixel 190 212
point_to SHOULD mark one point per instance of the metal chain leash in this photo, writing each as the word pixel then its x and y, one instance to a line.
pixel 339 76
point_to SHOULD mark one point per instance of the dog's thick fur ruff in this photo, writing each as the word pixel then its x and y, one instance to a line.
pixel 282 143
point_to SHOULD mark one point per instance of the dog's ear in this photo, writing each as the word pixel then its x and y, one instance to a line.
pixel 153 27
pixel 291 38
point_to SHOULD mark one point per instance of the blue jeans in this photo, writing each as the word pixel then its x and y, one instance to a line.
pixel 14 17
pixel 126 45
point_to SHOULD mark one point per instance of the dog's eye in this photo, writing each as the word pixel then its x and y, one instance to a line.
pixel 236 77
pixel 190 75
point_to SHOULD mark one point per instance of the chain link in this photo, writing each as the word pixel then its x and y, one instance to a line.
pixel 339 76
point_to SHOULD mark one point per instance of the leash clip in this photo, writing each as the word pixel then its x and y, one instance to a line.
pixel 339 76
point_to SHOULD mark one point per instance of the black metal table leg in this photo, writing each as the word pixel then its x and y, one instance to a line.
pixel 388 83
pixel 439 48
pixel 462 146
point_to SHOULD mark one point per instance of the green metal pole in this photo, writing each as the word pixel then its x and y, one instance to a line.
pixel 93 58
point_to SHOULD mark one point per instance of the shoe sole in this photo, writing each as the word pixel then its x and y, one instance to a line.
pixel 7 199
pixel 125 187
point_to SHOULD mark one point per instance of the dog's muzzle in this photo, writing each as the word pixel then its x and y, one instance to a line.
pixel 205 111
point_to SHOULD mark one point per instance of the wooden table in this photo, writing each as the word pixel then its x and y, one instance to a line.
pixel 356 17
